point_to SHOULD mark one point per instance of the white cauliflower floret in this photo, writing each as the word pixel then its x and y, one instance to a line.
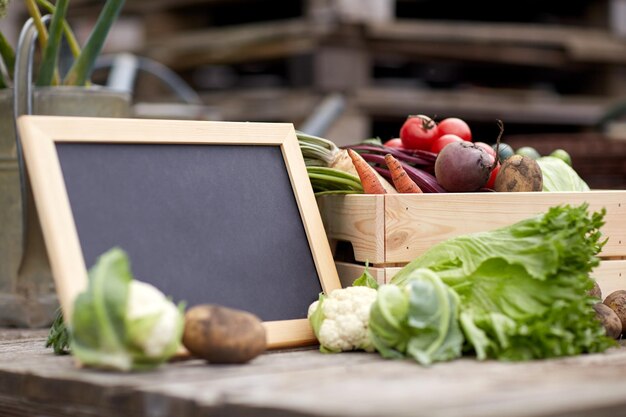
pixel 345 318
pixel 146 301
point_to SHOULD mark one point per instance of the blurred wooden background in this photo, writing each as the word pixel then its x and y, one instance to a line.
pixel 549 70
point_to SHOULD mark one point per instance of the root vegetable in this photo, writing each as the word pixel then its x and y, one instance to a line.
pixel 223 335
pixel 617 302
pixel 367 174
pixel 343 162
pixel 519 173
pixel 402 182
pixel 595 291
pixel 462 167
pixel 611 323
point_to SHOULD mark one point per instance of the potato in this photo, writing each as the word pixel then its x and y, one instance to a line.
pixel 595 291
pixel 519 173
pixel 609 320
pixel 617 302
pixel 223 335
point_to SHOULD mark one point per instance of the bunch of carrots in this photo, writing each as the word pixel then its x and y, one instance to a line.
pixel 367 168
pixel 372 184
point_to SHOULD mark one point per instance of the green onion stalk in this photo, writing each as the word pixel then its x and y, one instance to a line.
pixel 50 38
pixel 329 167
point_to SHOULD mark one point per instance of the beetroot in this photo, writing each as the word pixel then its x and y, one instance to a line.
pixel 463 167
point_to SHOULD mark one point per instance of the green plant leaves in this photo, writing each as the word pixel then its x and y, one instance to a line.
pixel 523 288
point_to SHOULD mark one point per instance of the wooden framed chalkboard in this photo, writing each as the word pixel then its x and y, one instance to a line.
pixel 209 212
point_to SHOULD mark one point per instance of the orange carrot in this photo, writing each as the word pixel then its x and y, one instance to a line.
pixel 369 180
pixel 400 179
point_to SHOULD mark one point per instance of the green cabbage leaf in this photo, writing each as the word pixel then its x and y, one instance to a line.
pixel 558 176
pixel 122 324
pixel 419 320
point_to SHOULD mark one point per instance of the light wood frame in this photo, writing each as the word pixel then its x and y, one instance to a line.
pixel 39 134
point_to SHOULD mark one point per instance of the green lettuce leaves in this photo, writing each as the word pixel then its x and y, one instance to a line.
pixel 522 289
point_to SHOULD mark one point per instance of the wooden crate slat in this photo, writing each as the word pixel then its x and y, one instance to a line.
pixel 395 229
pixel 611 276
pixel 415 224
pixel 349 272
pixel 356 219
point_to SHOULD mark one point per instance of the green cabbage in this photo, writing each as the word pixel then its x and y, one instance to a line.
pixel 559 176
pixel 122 324
pixel 419 320
pixel 523 288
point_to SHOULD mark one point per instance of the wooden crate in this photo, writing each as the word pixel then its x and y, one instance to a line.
pixel 388 231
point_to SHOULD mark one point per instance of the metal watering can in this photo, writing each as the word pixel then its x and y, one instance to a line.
pixel 27 294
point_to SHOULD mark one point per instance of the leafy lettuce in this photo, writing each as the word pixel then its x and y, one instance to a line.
pixel 523 288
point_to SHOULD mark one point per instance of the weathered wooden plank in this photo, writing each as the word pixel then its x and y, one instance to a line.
pixel 485 105
pixel 526 56
pixel 277 104
pixel 581 44
pixel 233 44
pixel 306 383
pixel 13 334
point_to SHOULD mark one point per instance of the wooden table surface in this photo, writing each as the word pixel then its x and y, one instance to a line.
pixel 304 382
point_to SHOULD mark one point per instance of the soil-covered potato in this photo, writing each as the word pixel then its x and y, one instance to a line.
pixel 519 173
pixel 223 335
pixel 617 301
pixel 611 323
pixel 595 291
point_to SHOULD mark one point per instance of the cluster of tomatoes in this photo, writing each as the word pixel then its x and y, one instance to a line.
pixel 423 133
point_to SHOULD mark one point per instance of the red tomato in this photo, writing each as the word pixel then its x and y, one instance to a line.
pixel 442 141
pixel 394 143
pixel 419 132
pixel 486 148
pixel 492 178
pixel 455 126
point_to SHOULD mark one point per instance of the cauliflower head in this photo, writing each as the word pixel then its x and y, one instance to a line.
pixel 120 323
pixel 154 322
pixel 340 320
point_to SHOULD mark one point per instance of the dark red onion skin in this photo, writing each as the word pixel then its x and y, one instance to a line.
pixel 424 180
pixel 416 156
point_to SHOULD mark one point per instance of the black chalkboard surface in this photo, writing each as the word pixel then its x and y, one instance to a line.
pixel 204 224
pixel 209 212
